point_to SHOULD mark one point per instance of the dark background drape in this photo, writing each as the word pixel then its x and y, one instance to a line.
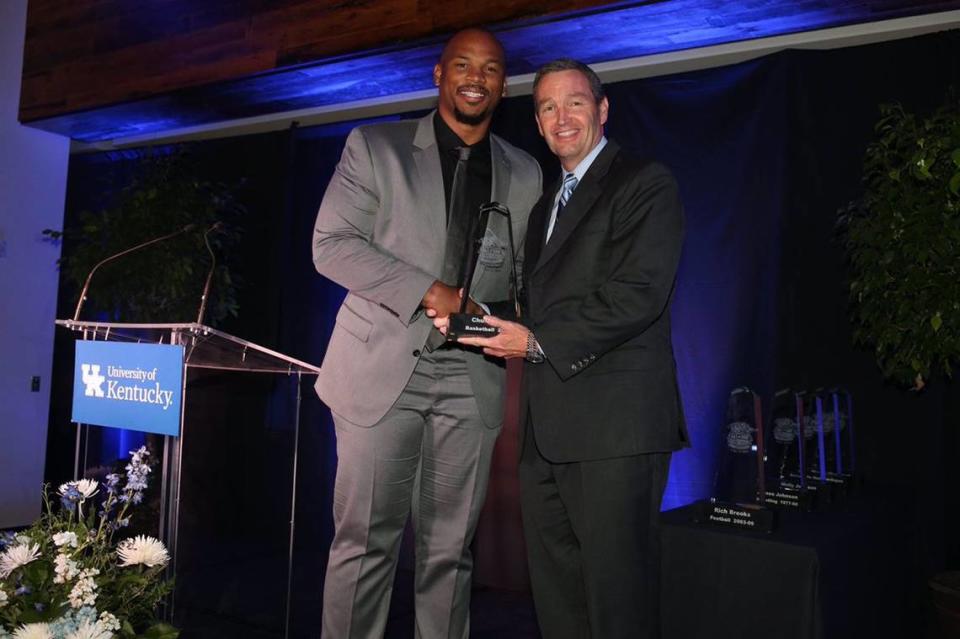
pixel 765 152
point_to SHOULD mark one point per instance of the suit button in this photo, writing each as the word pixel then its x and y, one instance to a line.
pixel 416 352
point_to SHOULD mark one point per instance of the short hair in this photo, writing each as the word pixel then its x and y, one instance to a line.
pixel 569 64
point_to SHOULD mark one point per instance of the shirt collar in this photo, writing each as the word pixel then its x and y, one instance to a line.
pixel 581 169
pixel 448 140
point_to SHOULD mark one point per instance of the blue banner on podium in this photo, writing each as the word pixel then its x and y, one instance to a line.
pixel 131 386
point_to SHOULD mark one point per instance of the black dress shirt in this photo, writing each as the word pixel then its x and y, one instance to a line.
pixel 479 171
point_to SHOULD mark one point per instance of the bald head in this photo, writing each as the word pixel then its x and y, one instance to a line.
pixel 472 34
pixel 471 77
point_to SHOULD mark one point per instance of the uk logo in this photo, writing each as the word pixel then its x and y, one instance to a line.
pixel 93 380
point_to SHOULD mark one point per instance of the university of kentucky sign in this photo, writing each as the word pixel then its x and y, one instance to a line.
pixel 133 386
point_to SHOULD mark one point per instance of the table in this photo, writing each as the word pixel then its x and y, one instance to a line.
pixel 847 572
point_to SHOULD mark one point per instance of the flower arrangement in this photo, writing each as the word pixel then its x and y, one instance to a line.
pixel 65 578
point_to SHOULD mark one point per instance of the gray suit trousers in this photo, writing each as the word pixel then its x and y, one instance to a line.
pixel 429 458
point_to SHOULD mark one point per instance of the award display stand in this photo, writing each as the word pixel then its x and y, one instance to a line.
pixel 203 348
pixel 740 484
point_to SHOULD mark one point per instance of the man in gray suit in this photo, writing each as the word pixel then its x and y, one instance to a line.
pixel 416 420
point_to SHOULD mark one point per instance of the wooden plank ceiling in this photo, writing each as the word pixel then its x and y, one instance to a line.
pixel 84 54
pixel 102 69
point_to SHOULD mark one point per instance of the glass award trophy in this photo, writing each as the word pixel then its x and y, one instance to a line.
pixel 813 462
pixel 835 430
pixel 462 323
pixel 739 490
pixel 843 438
pixel 786 483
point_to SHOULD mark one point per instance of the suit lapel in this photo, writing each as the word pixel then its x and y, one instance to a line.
pixel 537 228
pixel 428 183
pixel 579 206
pixel 500 166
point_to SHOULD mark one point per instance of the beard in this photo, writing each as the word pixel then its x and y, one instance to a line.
pixel 471 120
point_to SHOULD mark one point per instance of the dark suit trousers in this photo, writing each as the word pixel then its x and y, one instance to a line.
pixel 593 543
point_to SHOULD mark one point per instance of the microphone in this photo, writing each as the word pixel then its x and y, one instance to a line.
pixel 216 226
pixel 86 284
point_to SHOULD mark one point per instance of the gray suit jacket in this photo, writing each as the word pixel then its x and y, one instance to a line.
pixel 380 233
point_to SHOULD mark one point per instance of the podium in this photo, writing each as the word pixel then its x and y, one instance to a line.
pixel 206 348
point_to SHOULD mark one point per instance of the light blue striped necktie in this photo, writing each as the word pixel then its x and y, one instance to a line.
pixel 566 190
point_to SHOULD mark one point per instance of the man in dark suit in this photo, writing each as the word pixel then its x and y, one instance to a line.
pixel 599 388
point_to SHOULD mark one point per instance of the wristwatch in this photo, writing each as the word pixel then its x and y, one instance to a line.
pixel 534 354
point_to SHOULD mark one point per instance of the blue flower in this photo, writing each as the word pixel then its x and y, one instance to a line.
pixel 7 539
pixel 112 482
pixel 70 495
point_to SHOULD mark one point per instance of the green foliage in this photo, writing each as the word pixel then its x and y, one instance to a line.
pixel 162 282
pixel 903 241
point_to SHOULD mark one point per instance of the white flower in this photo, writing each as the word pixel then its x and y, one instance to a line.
pixel 64 568
pixel 33 631
pixel 84 592
pixel 144 550
pixel 65 539
pixel 108 622
pixel 86 487
pixel 16 556
pixel 3 598
pixel 88 630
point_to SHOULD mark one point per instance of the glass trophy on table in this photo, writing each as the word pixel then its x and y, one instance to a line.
pixel 835 438
pixel 786 483
pixel 739 484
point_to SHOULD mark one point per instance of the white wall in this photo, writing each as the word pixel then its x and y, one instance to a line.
pixel 33 175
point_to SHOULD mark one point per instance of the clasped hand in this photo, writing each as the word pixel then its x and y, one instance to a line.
pixel 442 299
pixel 509 343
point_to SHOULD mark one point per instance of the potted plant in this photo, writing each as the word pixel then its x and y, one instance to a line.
pixel 903 241
pixel 162 282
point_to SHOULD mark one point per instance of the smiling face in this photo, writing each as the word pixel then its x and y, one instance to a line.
pixel 471 78
pixel 569 117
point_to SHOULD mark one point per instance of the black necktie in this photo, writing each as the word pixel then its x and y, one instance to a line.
pixel 458 226
pixel 458 222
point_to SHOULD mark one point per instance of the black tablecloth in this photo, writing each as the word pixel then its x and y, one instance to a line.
pixel 849 572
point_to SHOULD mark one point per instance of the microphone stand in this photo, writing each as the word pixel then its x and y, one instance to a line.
pixel 86 284
pixel 206 286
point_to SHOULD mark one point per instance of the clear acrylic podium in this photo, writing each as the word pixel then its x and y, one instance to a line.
pixel 204 348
